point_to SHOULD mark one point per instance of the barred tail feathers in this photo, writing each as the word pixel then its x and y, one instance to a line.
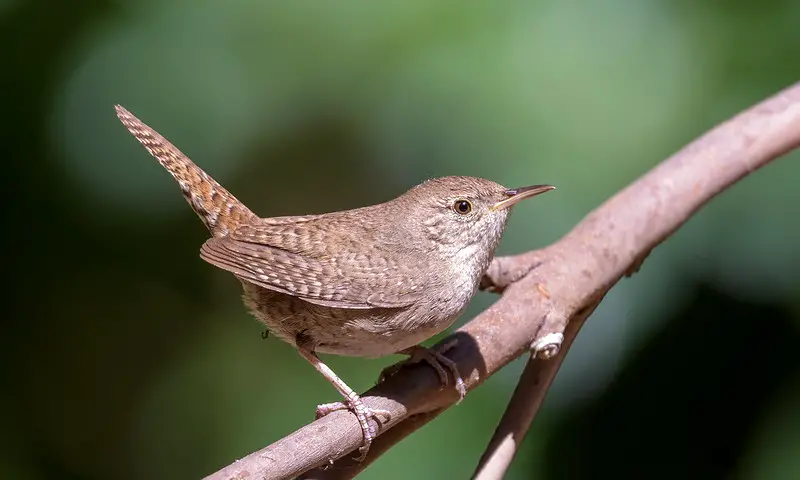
pixel 220 211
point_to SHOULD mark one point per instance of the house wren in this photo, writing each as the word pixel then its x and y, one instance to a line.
pixel 367 282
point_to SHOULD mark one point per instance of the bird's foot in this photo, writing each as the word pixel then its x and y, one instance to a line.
pixel 363 414
pixel 435 359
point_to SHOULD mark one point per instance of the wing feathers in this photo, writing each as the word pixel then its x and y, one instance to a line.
pixel 322 280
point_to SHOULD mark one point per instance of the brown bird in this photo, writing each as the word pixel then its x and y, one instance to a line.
pixel 367 282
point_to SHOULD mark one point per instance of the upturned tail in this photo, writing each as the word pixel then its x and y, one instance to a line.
pixel 220 211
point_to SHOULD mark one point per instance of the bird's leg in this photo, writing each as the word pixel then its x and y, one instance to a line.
pixel 435 359
pixel 352 401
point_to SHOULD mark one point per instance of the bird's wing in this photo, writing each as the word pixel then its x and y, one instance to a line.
pixel 345 279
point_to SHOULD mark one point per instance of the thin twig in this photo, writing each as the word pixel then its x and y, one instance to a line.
pixel 563 282
pixel 523 406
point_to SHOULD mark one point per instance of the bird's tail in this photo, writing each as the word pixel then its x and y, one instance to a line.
pixel 220 211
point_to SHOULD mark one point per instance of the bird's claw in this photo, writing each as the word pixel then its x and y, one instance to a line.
pixel 435 359
pixel 363 414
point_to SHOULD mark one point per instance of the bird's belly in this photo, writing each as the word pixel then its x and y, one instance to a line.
pixel 374 332
pixel 355 341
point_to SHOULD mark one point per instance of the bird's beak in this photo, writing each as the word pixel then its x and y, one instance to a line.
pixel 517 194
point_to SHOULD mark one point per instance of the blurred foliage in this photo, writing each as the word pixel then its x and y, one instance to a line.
pixel 128 357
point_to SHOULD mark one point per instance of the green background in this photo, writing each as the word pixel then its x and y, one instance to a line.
pixel 125 356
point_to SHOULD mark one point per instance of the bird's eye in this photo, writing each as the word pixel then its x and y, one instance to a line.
pixel 462 207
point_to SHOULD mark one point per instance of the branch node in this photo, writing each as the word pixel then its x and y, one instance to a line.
pixel 548 346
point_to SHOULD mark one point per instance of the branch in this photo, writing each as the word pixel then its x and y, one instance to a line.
pixel 543 291
pixel 709 165
pixel 525 402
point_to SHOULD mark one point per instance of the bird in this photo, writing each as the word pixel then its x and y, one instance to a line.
pixel 366 282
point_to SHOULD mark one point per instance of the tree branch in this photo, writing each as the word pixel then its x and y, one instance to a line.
pixel 712 163
pixel 523 406
pixel 543 291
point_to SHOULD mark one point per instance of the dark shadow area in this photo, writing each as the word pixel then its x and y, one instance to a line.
pixel 686 403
